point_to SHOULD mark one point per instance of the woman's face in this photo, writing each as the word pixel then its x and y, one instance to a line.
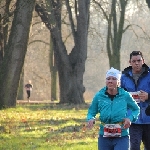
pixel 112 83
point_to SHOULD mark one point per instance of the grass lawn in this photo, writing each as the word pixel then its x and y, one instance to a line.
pixel 46 127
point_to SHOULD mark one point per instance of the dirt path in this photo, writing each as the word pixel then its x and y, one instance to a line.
pixel 34 102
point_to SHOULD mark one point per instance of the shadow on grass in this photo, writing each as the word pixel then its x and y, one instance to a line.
pixel 44 125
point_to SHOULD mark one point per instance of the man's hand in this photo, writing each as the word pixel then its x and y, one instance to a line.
pixel 143 96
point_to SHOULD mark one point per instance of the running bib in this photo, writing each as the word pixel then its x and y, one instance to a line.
pixel 112 130
pixel 135 95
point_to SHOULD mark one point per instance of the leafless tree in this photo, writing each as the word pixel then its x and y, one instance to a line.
pixel 15 51
pixel 71 66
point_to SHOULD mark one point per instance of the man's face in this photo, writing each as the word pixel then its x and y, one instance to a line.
pixel 136 62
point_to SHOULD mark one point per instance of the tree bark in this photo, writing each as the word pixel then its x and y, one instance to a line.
pixel 4 21
pixel 53 70
pixel 148 3
pixel 15 53
pixel 21 86
pixel 1 42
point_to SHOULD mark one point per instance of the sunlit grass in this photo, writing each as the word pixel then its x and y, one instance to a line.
pixel 46 127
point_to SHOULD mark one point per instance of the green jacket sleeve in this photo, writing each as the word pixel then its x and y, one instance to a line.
pixel 134 108
pixel 93 109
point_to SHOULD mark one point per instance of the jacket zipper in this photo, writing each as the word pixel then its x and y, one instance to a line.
pixel 111 111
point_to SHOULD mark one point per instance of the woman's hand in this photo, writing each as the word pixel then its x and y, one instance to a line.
pixel 90 123
pixel 126 123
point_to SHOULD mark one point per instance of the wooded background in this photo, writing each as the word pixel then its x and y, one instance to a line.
pixel 65 47
pixel 97 58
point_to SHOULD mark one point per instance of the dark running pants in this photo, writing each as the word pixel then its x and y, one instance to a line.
pixel 28 93
pixel 139 133
pixel 115 143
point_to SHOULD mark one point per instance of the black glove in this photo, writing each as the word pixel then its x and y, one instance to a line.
pixel 147 110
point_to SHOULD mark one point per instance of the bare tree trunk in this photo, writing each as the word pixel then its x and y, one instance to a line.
pixel 21 86
pixel 53 70
pixel 70 67
pixel 1 41
pixel 148 3
pixel 115 33
pixel 15 53
pixel 4 21
pixel 115 30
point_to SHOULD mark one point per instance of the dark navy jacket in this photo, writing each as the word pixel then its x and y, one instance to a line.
pixel 143 83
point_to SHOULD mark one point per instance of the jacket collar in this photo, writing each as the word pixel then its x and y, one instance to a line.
pixel 128 70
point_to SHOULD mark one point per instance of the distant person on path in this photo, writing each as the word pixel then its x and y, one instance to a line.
pixel 136 79
pixel 28 88
pixel 112 103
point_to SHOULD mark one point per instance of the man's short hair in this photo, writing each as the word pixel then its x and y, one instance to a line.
pixel 135 53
